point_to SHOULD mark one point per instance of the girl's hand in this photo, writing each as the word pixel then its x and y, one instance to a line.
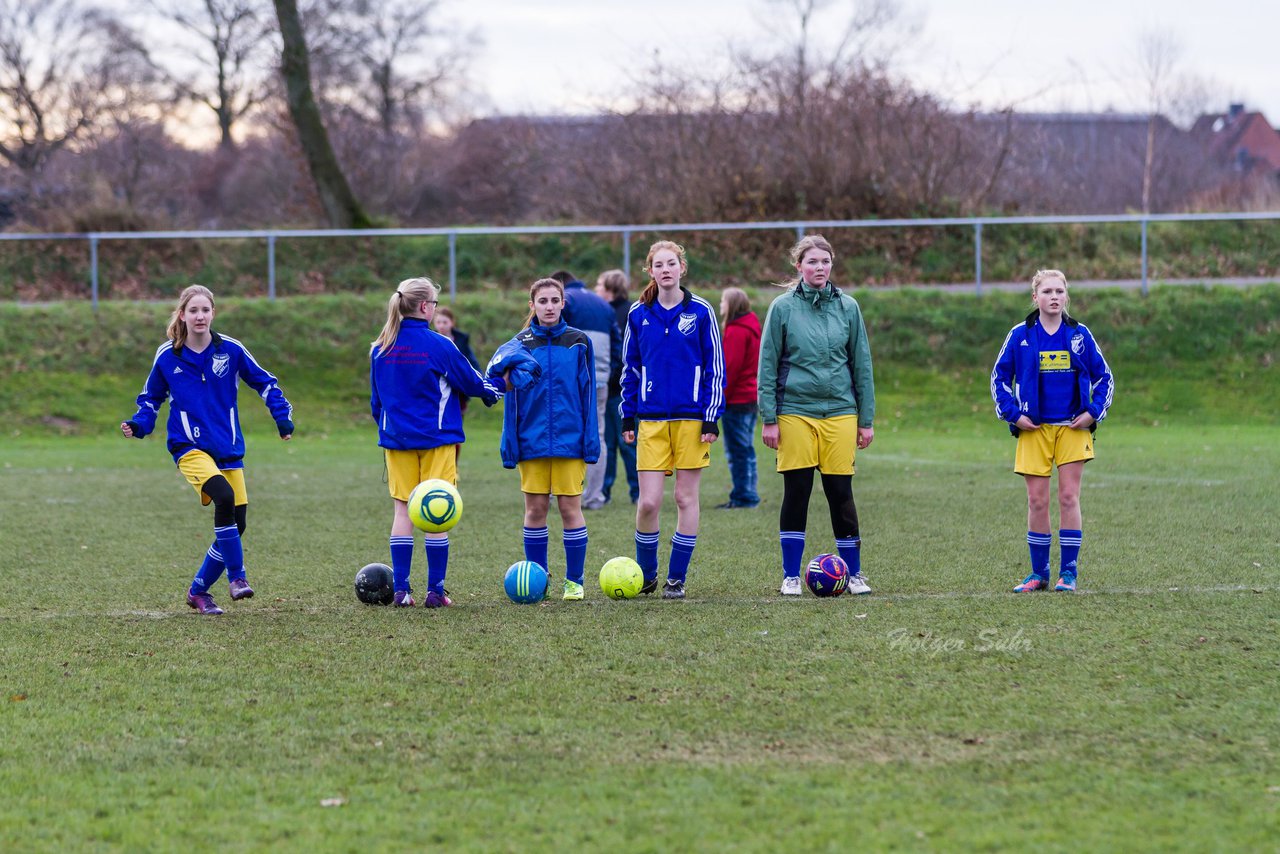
pixel 287 437
pixel 1025 423
pixel 769 433
pixel 629 436
pixel 1082 421
pixel 865 435
pixel 708 438
pixel 126 429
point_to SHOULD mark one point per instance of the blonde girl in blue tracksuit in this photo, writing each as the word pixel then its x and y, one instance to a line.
pixel 1052 385
pixel 549 427
pixel 415 375
pixel 672 396
pixel 198 372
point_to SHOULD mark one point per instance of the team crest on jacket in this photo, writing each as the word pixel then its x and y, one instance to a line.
pixel 687 323
pixel 1077 344
pixel 221 361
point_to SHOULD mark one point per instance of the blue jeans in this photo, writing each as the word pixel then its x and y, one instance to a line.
pixel 739 426
pixel 613 445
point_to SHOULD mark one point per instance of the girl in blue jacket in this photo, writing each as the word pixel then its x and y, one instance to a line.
pixel 198 371
pixel 1052 385
pixel 549 427
pixel 672 396
pixel 415 375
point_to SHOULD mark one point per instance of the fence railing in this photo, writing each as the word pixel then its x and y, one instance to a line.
pixel 625 232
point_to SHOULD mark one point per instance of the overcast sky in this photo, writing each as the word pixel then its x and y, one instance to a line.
pixel 574 55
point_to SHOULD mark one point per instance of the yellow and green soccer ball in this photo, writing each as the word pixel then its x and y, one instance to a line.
pixel 434 506
pixel 621 578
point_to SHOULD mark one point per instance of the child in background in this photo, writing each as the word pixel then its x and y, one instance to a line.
pixel 818 403
pixel 549 429
pixel 445 322
pixel 1052 385
pixel 414 376
pixel 741 361
pixel 613 287
pixel 198 371
pixel 672 396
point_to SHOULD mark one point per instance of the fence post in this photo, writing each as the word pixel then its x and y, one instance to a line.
pixel 1144 256
pixel 93 270
pixel 453 266
pixel 799 233
pixel 271 266
pixel 626 251
pixel 977 258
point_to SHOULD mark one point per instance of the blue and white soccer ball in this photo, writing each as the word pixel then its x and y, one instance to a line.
pixel 434 506
pixel 525 583
pixel 827 575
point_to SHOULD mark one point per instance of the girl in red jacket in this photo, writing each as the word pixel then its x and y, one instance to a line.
pixel 741 341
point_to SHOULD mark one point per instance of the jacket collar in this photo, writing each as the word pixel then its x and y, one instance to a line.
pixel 215 343
pixel 547 332
pixel 813 295
pixel 1035 315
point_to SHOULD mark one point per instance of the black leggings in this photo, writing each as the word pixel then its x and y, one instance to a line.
pixel 797 485
pixel 225 509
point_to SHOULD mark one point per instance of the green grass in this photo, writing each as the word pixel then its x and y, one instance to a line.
pixel 940 713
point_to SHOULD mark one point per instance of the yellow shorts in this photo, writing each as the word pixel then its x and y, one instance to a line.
pixel 669 445
pixel 198 467
pixel 1039 450
pixel 407 469
pixel 552 476
pixel 827 443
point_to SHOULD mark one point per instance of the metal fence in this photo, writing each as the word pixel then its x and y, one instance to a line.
pixel 625 232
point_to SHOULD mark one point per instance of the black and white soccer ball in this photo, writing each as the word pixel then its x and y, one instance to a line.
pixel 375 584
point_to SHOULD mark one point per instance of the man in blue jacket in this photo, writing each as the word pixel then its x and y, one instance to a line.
pixel 589 312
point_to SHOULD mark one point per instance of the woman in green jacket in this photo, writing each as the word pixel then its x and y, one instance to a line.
pixel 817 405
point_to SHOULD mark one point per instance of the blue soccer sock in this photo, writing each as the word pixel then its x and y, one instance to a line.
pixel 792 552
pixel 682 546
pixel 437 562
pixel 402 561
pixel 1069 547
pixel 647 554
pixel 535 546
pixel 228 542
pixel 575 553
pixel 209 572
pixel 850 549
pixel 1038 544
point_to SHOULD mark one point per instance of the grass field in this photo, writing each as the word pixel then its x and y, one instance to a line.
pixel 940 713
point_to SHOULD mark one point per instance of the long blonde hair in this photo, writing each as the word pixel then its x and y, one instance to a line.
pixel 650 292
pixel 177 330
pixel 809 241
pixel 736 304
pixel 548 282
pixel 405 302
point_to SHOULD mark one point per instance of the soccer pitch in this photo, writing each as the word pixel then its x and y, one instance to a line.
pixel 941 712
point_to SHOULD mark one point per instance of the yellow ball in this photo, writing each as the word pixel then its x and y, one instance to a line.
pixel 621 578
pixel 434 506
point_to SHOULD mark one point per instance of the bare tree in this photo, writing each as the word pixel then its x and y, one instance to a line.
pixel 340 204
pixel 1158 53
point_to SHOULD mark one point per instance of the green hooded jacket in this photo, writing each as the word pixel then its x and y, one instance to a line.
pixel 815 358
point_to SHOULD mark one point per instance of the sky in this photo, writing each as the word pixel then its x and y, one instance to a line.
pixel 575 56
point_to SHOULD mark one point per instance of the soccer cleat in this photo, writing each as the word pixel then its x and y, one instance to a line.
pixel 650 586
pixel 1032 583
pixel 437 600
pixel 240 589
pixel 790 585
pixel 403 599
pixel 1066 582
pixel 203 603
pixel 858 585
pixel 673 589
pixel 572 591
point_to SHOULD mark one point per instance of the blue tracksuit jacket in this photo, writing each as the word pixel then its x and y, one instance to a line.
pixel 412 389
pixel 1015 379
pixel 555 416
pixel 673 364
pixel 201 390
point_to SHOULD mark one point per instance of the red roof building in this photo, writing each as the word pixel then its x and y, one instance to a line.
pixel 1244 141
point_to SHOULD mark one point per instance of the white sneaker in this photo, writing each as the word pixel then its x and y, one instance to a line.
pixel 858 585
pixel 791 586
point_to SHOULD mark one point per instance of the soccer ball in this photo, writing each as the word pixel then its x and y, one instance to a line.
pixel 374 584
pixel 826 575
pixel 434 506
pixel 621 578
pixel 525 583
